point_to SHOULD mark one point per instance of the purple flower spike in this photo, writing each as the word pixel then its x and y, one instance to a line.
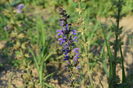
pixel 19 8
pixel 67 40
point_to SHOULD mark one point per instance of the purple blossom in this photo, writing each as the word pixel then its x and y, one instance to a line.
pixel 61 40
pixel 19 8
pixel 76 50
pixel 76 56
pixel 60 32
pixel 74 32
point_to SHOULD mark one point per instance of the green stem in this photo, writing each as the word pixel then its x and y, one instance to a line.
pixel 123 69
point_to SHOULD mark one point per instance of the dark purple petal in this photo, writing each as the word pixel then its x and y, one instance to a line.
pixel 73 44
pixel 66 57
pixel 61 40
pixel 66 51
pixel 67 27
pixel 74 32
pixel 60 32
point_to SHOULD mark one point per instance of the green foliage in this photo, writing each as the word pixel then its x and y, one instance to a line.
pixel 41 55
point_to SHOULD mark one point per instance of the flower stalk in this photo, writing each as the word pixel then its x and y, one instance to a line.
pixel 67 39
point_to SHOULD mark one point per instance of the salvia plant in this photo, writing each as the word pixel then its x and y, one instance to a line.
pixel 67 39
pixel 27 35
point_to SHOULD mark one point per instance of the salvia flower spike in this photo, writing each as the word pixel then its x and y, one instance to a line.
pixel 67 39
